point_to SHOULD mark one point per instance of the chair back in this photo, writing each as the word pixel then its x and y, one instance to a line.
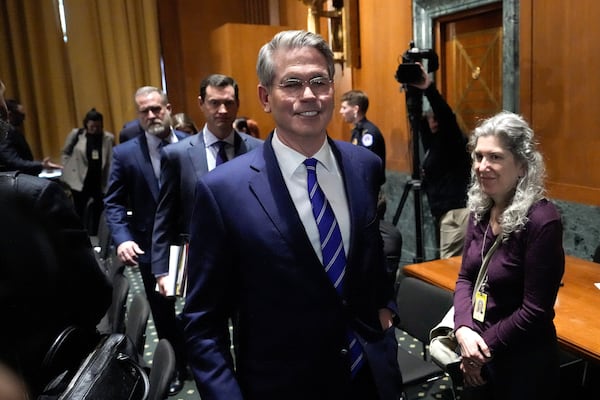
pixel 114 320
pixel 162 370
pixel 421 306
pixel 136 322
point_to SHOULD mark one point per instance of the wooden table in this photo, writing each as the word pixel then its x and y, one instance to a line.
pixel 577 307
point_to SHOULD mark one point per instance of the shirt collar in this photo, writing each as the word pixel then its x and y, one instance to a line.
pixel 290 160
pixel 154 141
pixel 210 138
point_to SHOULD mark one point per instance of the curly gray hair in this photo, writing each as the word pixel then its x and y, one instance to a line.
pixel 517 137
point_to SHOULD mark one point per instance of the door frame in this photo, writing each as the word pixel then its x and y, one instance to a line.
pixel 426 11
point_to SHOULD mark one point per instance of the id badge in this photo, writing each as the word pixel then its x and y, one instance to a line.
pixel 480 306
pixel 95 155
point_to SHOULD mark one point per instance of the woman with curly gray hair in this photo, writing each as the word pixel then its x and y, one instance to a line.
pixel 508 342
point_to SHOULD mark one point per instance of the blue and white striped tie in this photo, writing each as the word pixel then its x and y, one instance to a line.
pixel 332 246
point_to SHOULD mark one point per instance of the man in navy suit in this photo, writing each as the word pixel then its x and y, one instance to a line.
pixel 134 183
pixel 183 164
pixel 255 253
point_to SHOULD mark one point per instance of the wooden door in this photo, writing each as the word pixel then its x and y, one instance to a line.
pixel 470 50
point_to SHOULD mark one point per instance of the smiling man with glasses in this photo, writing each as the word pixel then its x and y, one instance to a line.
pixel 297 262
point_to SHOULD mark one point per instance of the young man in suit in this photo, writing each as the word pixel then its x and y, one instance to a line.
pixel 185 162
pixel 134 184
pixel 257 253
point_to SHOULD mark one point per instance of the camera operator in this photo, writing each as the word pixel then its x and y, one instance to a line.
pixel 445 168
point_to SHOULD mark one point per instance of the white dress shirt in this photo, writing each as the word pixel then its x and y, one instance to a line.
pixel 211 150
pixel 154 145
pixel 330 180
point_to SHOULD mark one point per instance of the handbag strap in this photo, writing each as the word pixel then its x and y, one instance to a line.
pixel 483 270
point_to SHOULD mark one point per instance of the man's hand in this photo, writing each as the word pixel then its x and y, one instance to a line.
pixel 386 318
pixel 425 82
pixel 128 252
pixel 47 164
pixel 161 281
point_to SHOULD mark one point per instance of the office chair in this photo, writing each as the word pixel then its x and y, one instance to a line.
pixel 114 319
pixel 162 370
pixel 420 307
pixel 136 322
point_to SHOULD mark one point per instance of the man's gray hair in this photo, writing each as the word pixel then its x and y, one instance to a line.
pixel 288 40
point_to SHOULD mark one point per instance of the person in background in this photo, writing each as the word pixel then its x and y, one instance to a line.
pixel 353 109
pixel 86 158
pixel 509 351
pixel 256 254
pixel 445 169
pixel 134 184
pixel 247 125
pixel 253 129
pixel 15 153
pixel 185 162
pixel 184 123
pixel 46 261
pixel 130 130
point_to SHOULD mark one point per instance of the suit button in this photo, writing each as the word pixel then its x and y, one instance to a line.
pixel 345 303
pixel 344 352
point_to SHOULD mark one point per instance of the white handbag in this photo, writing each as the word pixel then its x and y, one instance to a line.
pixel 443 346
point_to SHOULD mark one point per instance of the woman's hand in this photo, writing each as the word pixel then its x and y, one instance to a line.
pixel 475 354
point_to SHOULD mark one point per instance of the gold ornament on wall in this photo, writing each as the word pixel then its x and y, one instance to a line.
pixel 342 27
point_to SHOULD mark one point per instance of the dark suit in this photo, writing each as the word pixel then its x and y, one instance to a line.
pixel 132 184
pixel 182 165
pixel 15 154
pixel 250 258
pixel 130 130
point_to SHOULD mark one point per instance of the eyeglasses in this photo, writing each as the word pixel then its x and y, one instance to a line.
pixel 319 85
pixel 155 110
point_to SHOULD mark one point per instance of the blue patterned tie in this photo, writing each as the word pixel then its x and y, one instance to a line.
pixel 221 154
pixel 332 246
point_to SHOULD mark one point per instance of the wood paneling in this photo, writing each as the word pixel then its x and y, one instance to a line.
pixel 227 58
pixel 560 55
pixel 471 60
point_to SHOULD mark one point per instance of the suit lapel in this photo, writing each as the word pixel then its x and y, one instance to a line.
pixel 269 188
pixel 197 153
pixel 352 174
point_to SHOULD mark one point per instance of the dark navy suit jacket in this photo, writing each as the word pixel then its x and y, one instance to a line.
pixel 250 259
pixel 182 165
pixel 132 185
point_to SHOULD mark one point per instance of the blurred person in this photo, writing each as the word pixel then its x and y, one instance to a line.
pixel 130 130
pixel 253 129
pixel 46 261
pixel 445 169
pixel 247 125
pixel 184 123
pixel 256 254
pixel 353 109
pixel 134 184
pixel 86 157
pixel 509 351
pixel 184 163
pixel 15 153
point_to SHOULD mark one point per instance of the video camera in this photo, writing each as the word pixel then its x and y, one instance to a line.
pixel 409 71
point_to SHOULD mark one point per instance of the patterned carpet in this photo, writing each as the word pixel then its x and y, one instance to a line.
pixel 571 376
pixel 439 390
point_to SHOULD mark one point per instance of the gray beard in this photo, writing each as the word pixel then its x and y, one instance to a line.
pixel 159 130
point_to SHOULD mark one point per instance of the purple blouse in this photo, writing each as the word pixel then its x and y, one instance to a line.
pixel 524 275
